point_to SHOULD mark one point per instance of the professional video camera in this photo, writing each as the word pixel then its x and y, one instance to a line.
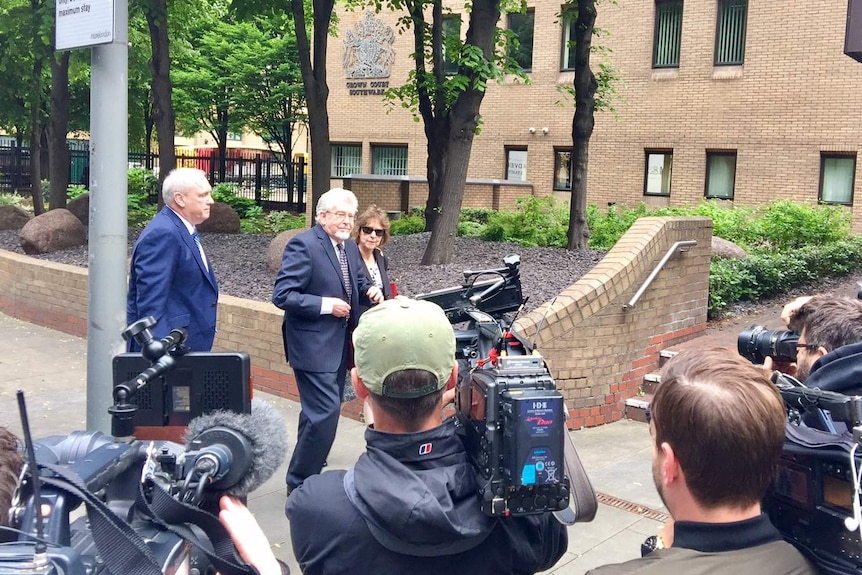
pixel 149 505
pixel 510 412
pixel 757 343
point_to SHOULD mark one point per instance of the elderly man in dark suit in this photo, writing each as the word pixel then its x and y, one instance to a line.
pixel 171 278
pixel 320 286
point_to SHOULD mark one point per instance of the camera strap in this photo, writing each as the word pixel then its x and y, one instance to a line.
pixel 176 517
pixel 583 500
pixel 122 549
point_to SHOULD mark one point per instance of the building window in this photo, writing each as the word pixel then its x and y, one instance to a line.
pixel 720 174
pixel 730 32
pixel 837 173
pixel 668 33
pixel 563 169
pixel 389 160
pixel 451 38
pixel 567 61
pixel 234 137
pixel 521 26
pixel 657 175
pixel 516 164
pixel 346 159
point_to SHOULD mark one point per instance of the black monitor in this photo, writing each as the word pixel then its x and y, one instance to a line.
pixel 197 384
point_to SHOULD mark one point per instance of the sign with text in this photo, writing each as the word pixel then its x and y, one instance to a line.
pixel 83 23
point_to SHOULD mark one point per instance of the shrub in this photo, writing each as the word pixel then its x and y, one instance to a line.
pixel 470 229
pixel 139 217
pixel 405 225
pixel 11 200
pixel 272 223
pixel 606 229
pixel 75 191
pixel 143 183
pixel 786 225
pixel 227 194
pixel 536 222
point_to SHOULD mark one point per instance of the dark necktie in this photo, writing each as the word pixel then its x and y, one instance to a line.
pixel 345 272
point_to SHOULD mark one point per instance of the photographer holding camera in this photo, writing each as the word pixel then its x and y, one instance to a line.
pixel 829 350
pixel 409 505
pixel 718 430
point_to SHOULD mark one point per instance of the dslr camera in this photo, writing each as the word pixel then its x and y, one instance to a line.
pixel 510 414
pixel 757 343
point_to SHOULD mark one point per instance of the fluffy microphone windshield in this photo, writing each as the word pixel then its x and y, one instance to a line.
pixel 265 430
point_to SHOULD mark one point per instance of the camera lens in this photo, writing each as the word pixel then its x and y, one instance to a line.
pixel 757 343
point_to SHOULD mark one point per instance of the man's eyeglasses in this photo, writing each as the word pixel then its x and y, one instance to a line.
pixel 808 346
pixel 344 215
pixel 376 231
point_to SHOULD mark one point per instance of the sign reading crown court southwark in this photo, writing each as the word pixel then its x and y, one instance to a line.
pixel 368 56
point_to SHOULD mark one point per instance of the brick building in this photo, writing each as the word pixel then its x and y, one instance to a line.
pixel 726 98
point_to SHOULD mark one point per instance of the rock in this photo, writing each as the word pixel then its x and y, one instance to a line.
pixel 727 249
pixel 276 249
pixel 80 208
pixel 13 217
pixel 52 231
pixel 223 220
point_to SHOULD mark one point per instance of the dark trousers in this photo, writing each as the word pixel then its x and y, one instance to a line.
pixel 320 400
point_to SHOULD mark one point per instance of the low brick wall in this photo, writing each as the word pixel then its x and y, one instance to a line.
pixel 402 193
pixel 597 351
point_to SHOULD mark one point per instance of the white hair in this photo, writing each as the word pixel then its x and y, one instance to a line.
pixel 182 180
pixel 336 197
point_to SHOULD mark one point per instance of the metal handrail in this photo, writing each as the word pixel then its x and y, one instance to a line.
pixel 677 247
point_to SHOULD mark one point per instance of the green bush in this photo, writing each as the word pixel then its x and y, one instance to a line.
pixel 606 229
pixel 75 191
pixel 405 225
pixel 470 229
pixel 272 223
pixel 477 215
pixel 139 217
pixel 227 194
pixel 11 200
pixel 536 222
pixel 143 183
pixel 786 225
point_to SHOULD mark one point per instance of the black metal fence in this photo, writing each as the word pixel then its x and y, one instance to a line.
pixel 262 176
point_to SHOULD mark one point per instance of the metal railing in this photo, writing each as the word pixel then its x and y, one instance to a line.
pixel 677 247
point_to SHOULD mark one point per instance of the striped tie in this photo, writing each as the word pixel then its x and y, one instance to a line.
pixel 197 239
pixel 345 272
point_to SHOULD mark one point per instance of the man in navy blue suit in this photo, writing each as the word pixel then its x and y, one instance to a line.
pixel 319 287
pixel 171 278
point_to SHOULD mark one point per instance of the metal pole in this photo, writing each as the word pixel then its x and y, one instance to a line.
pixel 109 148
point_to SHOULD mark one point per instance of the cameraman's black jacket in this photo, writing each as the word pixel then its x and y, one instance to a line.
pixel 409 506
pixel 839 370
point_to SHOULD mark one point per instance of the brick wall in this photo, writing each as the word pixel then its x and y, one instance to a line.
pixel 597 351
pixel 795 96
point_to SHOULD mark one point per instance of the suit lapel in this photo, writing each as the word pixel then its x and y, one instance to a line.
pixel 329 250
pixel 190 243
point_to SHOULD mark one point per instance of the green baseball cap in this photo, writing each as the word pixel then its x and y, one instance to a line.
pixel 403 333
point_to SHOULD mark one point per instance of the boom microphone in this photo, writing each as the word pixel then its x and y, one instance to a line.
pixel 238 451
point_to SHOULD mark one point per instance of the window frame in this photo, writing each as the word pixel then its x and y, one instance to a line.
pixel 656 27
pixel 557 152
pixel 657 151
pixel 507 151
pixel 530 12
pixel 332 156
pixel 450 68
pixel 720 8
pixel 721 153
pixel 567 29
pixel 836 156
pixel 378 147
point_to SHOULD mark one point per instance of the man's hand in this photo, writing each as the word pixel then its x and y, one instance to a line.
pixel 770 365
pixel 247 536
pixel 340 308
pixel 374 294
pixel 791 308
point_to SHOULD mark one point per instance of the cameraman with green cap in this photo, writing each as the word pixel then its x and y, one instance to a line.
pixel 409 505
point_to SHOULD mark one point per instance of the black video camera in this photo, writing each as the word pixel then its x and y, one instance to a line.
pixel 145 501
pixel 757 343
pixel 512 417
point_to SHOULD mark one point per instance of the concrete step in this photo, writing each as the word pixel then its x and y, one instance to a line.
pixel 651 382
pixel 664 355
pixel 636 407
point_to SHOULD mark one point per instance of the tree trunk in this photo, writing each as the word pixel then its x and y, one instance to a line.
pixel 36 138
pixel 582 124
pixel 160 68
pixel 316 89
pixel 447 164
pixel 59 158
pixel 148 129
pixel 221 140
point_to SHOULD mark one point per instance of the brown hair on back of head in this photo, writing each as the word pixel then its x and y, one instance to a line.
pixel 11 461
pixel 725 422
pixel 828 321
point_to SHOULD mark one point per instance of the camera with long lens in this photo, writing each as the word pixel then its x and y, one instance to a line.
pixel 150 506
pixel 510 414
pixel 757 343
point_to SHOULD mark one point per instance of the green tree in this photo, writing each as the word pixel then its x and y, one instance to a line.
pixel 449 104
